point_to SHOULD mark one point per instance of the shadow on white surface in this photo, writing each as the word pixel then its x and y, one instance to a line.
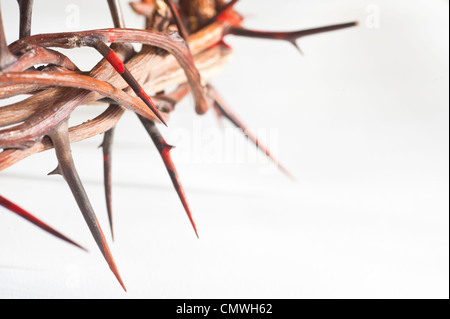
pixel 362 122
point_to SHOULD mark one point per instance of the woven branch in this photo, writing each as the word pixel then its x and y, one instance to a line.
pixel 182 49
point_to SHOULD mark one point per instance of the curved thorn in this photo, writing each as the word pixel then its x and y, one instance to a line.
pixel 228 114
pixel 164 150
pixel 24 214
pixel 107 149
pixel 60 139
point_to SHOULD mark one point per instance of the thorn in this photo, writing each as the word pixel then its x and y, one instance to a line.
pixel 295 44
pixel 6 57
pixel 60 139
pixel 120 67
pixel 164 150
pixel 228 114
pixel 291 37
pixel 56 171
pixel 219 116
pixel 26 11
pixel 24 214
pixel 107 149
pixel 117 14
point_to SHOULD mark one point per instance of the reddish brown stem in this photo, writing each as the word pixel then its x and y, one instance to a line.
pixel 172 43
pixel 37 55
pixel 58 103
pixel 291 37
pixel 67 80
pixel 100 124
pixel 173 97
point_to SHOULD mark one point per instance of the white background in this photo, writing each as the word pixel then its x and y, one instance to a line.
pixel 361 121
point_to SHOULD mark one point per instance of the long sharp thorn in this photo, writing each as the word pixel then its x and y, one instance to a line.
pixel 120 67
pixel 6 57
pixel 181 29
pixel 26 11
pixel 32 219
pixel 117 14
pixel 107 149
pixel 119 22
pixel 164 150
pixel 226 111
pixel 60 139
pixel 291 37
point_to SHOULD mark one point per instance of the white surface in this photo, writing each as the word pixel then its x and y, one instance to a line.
pixel 362 122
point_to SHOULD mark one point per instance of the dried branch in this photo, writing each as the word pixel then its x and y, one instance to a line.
pixel 125 79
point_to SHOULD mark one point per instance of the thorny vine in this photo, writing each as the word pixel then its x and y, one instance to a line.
pixel 182 45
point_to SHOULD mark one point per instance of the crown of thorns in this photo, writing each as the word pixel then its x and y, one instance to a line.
pixel 182 46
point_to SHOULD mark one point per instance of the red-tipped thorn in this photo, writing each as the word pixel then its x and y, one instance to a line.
pixel 165 154
pixel 32 219
pixel 120 67
pixel 164 150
